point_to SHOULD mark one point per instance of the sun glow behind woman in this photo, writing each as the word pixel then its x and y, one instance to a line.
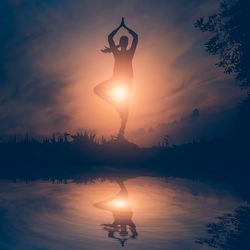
pixel 120 203
pixel 119 94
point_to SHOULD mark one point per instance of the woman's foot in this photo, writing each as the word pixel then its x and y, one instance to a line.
pixel 120 136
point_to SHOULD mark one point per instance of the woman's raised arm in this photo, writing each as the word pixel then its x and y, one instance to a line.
pixel 135 38
pixel 110 38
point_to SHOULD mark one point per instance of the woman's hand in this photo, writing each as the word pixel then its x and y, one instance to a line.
pixel 125 27
pixel 106 50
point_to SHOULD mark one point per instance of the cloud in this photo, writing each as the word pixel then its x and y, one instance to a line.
pixel 52 60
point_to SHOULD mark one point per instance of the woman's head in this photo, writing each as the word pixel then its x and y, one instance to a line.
pixel 123 42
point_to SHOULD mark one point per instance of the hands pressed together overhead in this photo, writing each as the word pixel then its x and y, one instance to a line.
pixel 128 29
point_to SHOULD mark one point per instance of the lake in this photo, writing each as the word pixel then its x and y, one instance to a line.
pixel 137 213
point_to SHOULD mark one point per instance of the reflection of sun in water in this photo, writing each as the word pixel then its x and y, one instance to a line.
pixel 119 94
pixel 120 203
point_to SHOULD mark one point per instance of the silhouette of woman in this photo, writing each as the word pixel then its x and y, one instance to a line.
pixel 122 73
pixel 122 213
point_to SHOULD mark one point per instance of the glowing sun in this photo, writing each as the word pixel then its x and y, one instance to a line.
pixel 120 203
pixel 119 94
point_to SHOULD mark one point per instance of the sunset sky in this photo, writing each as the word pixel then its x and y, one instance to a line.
pixel 51 61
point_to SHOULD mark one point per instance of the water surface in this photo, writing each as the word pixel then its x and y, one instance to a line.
pixel 156 213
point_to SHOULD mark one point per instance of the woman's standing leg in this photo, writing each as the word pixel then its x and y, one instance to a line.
pixel 123 110
pixel 124 119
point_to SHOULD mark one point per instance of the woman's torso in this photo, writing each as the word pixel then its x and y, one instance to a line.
pixel 123 64
pixel 122 217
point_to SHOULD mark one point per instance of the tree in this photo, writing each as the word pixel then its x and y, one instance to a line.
pixel 231 232
pixel 230 38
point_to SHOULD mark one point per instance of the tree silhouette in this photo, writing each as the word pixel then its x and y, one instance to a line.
pixel 231 232
pixel 231 38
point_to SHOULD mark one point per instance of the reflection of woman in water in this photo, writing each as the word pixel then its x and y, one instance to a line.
pixel 122 213
pixel 122 74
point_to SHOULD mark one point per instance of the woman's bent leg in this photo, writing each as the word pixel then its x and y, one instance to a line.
pixel 101 91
